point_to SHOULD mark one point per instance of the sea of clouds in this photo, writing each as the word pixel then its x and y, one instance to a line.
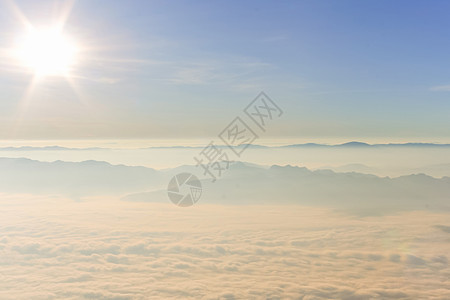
pixel 55 248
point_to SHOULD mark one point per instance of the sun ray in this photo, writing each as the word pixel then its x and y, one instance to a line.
pixel 46 49
pixel 23 105
pixel 47 52
pixel 19 14
pixel 62 15
pixel 78 92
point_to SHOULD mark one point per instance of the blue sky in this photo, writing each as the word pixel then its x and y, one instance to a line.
pixel 367 70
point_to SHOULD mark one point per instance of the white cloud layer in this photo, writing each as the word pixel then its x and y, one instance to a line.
pixel 54 248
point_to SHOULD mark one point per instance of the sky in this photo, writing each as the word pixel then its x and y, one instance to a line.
pixel 340 70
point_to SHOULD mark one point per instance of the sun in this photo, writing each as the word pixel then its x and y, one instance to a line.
pixel 47 52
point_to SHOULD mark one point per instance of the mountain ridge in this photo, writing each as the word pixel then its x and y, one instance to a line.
pixel 242 184
pixel 352 144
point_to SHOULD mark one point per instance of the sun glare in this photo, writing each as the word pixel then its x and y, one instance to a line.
pixel 47 52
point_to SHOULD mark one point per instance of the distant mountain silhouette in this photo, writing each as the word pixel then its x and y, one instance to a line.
pixel 365 145
pixel 359 168
pixel 242 184
pixel 360 193
pixel 353 144
pixel 75 179
pixel 49 148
